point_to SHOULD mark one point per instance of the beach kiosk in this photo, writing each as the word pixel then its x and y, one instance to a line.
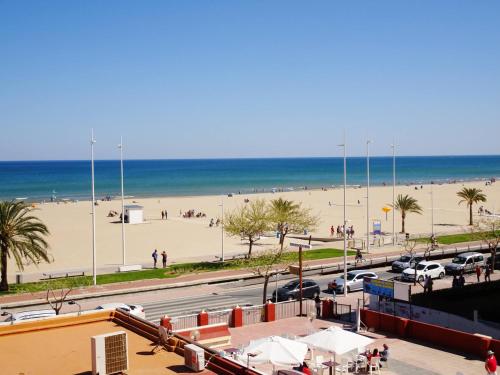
pixel 133 214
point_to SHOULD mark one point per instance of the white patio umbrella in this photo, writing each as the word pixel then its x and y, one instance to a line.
pixel 275 350
pixel 336 340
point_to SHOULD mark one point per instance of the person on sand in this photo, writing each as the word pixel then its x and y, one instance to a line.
pixel 155 257
pixel 162 215
pixel 164 258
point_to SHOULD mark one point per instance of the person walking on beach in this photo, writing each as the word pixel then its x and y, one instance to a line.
pixel 490 365
pixel 332 231
pixel 164 258
pixel 155 257
pixel 162 215
pixel 166 214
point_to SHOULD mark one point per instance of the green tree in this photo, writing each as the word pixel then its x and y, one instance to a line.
pixel 289 217
pixel 488 231
pixel 21 237
pixel 471 196
pixel 269 263
pixel 248 221
pixel 406 204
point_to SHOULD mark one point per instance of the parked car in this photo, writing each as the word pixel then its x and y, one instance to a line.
pixel 426 268
pixel 497 262
pixel 136 310
pixel 465 262
pixel 290 290
pixel 29 315
pixel 406 261
pixel 354 280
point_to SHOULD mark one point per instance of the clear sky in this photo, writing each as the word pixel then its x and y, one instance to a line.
pixel 196 79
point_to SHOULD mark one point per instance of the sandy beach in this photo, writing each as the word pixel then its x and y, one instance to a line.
pixel 187 239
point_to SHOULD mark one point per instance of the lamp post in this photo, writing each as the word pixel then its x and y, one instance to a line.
pixel 120 146
pixel 368 196
pixel 432 211
pixel 345 222
pixel 94 267
pixel 393 146
pixel 222 228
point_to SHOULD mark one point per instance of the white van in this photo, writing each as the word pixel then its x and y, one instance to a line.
pixel 465 262
pixel 28 315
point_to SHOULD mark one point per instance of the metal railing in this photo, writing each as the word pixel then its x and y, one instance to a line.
pixel 183 322
pixel 222 316
pixel 253 314
pixel 342 311
pixel 289 309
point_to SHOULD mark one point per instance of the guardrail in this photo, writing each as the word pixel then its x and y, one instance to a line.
pixel 289 309
pixel 185 321
pixel 253 314
pixel 223 316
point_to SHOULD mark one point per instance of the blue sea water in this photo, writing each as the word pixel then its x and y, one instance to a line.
pixel 37 180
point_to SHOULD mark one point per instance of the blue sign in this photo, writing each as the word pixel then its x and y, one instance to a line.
pixel 377 227
pixel 378 287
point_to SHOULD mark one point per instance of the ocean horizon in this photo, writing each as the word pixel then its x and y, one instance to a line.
pixel 70 179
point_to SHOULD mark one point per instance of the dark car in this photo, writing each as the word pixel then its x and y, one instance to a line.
pixel 497 262
pixel 290 290
pixel 406 261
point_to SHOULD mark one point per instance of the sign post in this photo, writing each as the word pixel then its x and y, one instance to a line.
pixel 300 246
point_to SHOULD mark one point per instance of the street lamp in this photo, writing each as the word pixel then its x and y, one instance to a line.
pixel 222 228
pixel 120 146
pixel 393 146
pixel 432 211
pixel 368 196
pixel 73 302
pixel 345 222
pixel 94 266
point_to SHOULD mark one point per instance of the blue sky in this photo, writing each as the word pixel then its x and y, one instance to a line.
pixel 195 79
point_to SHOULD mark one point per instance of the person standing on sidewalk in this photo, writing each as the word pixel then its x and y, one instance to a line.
pixel 317 304
pixel 487 273
pixel 164 258
pixel 478 273
pixel 490 364
pixel 155 257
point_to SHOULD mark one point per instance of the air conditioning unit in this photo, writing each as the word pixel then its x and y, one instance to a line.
pixel 194 357
pixel 109 353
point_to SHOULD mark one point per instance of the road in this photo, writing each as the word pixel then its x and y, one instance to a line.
pixel 191 300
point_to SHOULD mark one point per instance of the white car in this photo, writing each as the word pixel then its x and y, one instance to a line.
pixel 136 310
pixel 29 315
pixel 433 269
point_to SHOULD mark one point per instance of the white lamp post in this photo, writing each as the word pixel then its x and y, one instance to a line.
pixel 120 146
pixel 345 221
pixel 94 268
pixel 393 146
pixel 368 196
pixel 222 227
pixel 432 211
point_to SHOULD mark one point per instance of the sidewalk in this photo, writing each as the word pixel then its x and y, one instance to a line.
pixel 26 299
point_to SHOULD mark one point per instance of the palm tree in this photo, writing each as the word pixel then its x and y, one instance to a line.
pixel 21 237
pixel 406 204
pixel 471 196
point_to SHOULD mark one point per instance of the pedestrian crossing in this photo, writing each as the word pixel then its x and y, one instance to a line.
pixel 190 305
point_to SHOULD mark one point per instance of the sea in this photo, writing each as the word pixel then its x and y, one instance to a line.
pixel 71 180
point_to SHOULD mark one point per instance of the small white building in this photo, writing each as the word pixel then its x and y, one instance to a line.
pixel 134 214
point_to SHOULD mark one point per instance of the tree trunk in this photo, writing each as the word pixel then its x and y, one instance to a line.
pixel 4 285
pixel 470 214
pixel 250 240
pixel 264 295
pixel 403 216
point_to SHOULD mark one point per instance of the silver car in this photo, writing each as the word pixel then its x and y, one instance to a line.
pixel 354 281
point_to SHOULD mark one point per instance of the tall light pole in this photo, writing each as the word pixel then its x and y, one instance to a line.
pixel 120 146
pixel 368 196
pixel 222 227
pixel 94 267
pixel 432 211
pixel 393 146
pixel 345 221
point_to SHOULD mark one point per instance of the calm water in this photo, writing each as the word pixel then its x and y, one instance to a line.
pixel 38 180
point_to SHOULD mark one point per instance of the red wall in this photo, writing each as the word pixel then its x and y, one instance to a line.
pixel 437 335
